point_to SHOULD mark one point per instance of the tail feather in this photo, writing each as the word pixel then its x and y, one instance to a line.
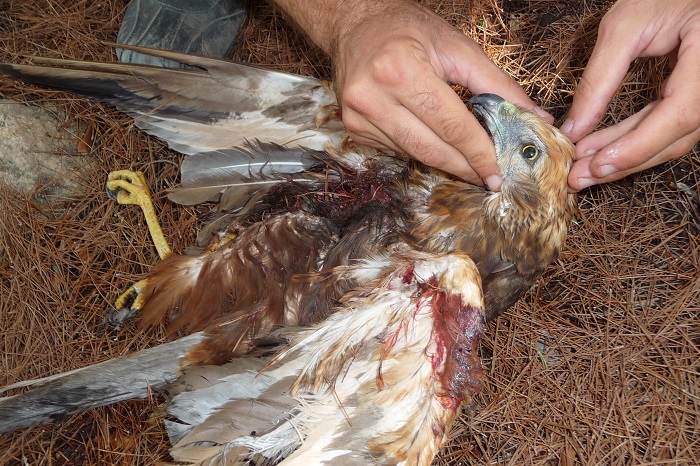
pixel 125 378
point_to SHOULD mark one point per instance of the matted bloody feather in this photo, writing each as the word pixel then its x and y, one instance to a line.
pixel 379 381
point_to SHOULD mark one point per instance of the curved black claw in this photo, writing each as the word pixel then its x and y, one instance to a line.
pixel 118 317
pixel 112 193
pixel 126 306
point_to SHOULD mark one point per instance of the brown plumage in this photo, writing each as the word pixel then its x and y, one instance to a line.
pixel 512 236
pixel 325 240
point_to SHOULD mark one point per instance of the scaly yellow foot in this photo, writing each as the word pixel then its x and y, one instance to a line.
pixel 130 188
pixel 128 304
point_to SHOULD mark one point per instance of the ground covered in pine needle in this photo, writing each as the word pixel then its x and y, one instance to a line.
pixel 597 364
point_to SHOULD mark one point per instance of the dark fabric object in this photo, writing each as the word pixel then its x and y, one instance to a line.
pixel 199 27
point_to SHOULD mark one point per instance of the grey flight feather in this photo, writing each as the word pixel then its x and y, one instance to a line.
pixel 125 378
pixel 235 174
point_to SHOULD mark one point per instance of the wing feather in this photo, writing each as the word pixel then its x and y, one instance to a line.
pixel 215 105
pixel 232 176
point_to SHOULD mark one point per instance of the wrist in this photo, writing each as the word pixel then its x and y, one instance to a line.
pixel 357 17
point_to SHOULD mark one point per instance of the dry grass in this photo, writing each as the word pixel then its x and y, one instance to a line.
pixel 599 364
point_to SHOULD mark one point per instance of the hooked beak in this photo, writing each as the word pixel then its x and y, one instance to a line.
pixel 493 111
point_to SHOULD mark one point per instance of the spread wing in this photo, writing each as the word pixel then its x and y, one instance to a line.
pixel 379 381
pixel 211 107
pixel 244 127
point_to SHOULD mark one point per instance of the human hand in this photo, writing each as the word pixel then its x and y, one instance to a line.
pixel 393 65
pixel 665 129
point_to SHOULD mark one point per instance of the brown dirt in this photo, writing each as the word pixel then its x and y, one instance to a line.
pixel 598 364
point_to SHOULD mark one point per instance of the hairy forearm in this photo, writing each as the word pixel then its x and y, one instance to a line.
pixel 327 21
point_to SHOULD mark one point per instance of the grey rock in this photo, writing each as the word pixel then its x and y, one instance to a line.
pixel 37 155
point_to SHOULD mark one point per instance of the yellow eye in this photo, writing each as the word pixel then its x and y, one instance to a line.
pixel 530 152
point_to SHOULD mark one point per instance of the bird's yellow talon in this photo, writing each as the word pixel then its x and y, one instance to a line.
pixel 132 298
pixel 128 304
pixel 130 188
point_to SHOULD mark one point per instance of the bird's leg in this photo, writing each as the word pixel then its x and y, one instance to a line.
pixel 130 188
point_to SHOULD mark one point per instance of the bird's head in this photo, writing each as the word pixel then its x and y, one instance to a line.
pixel 534 159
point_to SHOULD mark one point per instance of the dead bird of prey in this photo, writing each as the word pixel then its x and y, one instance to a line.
pixel 374 267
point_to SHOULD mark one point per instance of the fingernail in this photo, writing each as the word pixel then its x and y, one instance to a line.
pixel 605 170
pixel 590 152
pixel 583 183
pixel 493 182
pixel 543 113
pixel 567 126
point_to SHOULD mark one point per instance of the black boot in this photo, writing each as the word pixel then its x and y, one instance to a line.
pixel 200 27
